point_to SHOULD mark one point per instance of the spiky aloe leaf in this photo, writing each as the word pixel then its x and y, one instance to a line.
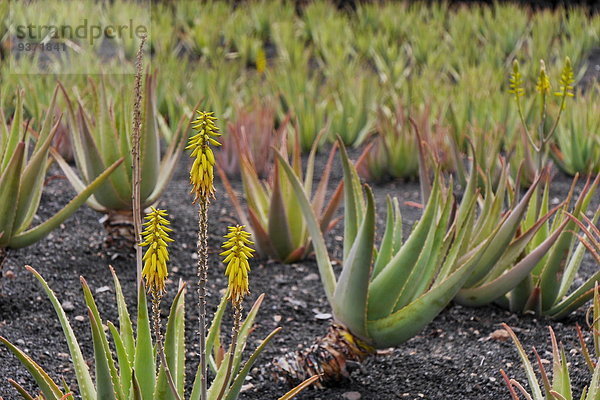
pixel 125 326
pixel 238 381
pixel 533 382
pixel 34 234
pixel 387 286
pixel 325 268
pixel 9 181
pixel 103 343
pixel 397 327
pixel 104 377
pixel 278 222
pixel 21 390
pixel 175 344
pixel 350 296
pixel 84 380
pixel 125 367
pixel 353 200
pixel 49 389
pixel 245 330
pixel 144 364
pixel 493 289
pixel 393 227
pixel 295 391
pixel 149 140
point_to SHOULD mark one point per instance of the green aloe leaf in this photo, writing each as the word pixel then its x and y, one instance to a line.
pixel 351 293
pixel 353 200
pixel 125 366
pixel 9 182
pixel 104 377
pixel 325 268
pixel 149 140
pixel 21 390
pixel 173 349
pixel 245 330
pixel 278 222
pixel 144 364
pixel 48 388
pixel 489 291
pixel 238 381
pixel 533 382
pixel 108 359
pixel 125 326
pixel 84 380
pixel 393 225
pixel 398 327
pixel 34 234
pixel 387 286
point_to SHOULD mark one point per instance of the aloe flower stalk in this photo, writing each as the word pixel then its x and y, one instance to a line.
pixel 384 297
pixel 536 141
pixel 201 179
pixel 237 253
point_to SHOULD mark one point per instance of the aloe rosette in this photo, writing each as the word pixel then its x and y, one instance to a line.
pixel 101 132
pixel 385 296
pixel 540 265
pixel 23 167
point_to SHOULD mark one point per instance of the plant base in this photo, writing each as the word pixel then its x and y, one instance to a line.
pixel 120 230
pixel 333 357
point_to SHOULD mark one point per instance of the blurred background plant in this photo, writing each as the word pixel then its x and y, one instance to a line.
pixel 23 165
pixel 100 131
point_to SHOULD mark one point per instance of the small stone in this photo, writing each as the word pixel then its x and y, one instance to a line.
pixel 102 289
pixel 246 387
pixel 323 316
pixel 80 318
pixel 277 318
pixel 311 277
pixel 68 306
pixel 9 274
pixel 500 335
pixel 64 356
pixel 351 396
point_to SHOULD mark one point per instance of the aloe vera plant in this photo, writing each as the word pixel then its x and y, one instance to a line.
pixel 540 265
pixel 100 134
pixel 560 386
pixel 23 166
pixel 273 207
pixel 384 297
pixel 135 373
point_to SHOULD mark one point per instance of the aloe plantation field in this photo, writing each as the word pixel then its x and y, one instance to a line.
pixel 311 200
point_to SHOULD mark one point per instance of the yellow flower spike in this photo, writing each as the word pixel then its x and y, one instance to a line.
pixel 516 81
pixel 236 256
pixel 567 79
pixel 156 236
pixel 543 83
pixel 201 173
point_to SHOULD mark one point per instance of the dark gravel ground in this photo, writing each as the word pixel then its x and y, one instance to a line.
pixel 453 358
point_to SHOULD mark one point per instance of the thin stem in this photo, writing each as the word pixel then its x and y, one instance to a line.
pixel 202 278
pixel 237 320
pixel 135 152
pixel 524 123
pixel 156 297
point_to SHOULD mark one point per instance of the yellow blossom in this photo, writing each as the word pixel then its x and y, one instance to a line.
pixel 202 174
pixel 156 236
pixel 566 80
pixel 543 83
pixel 516 81
pixel 236 257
